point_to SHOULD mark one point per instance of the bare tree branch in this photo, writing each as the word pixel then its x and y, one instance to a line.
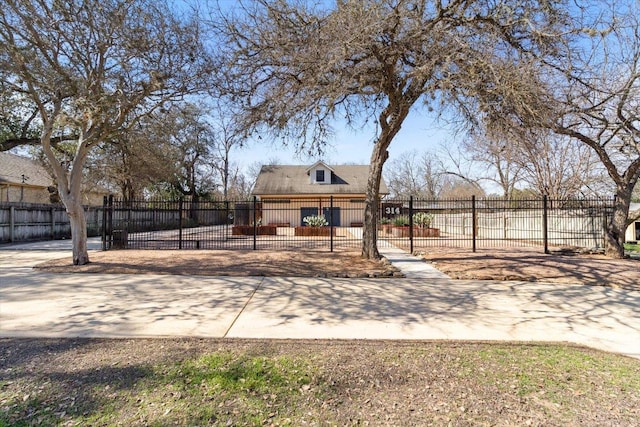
pixel 297 66
pixel 92 67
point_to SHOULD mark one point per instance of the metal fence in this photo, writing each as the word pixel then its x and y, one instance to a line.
pixel 489 223
pixel 279 223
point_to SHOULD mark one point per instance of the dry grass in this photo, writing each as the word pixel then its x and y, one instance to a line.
pixel 520 263
pixel 531 264
pixel 186 382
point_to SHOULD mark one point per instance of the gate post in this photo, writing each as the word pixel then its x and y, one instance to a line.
pixel 255 223
pixel 104 223
pixel 474 221
pixel 180 223
pixel 331 221
pixel 411 224
pixel 545 224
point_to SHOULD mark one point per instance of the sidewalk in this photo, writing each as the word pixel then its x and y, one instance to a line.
pixel 426 305
pixel 412 266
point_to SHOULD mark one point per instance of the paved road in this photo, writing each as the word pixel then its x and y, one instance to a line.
pixel 426 305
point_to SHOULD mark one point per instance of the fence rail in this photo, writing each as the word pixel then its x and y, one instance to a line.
pixel 21 222
pixel 278 223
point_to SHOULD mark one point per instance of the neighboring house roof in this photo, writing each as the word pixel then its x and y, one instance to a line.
pixel 294 180
pixel 13 167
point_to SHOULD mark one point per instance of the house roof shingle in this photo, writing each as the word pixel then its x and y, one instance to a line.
pixel 13 167
pixel 294 180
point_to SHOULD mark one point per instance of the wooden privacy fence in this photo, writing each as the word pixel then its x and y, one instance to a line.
pixel 22 222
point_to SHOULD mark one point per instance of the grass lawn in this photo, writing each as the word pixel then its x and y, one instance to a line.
pixel 186 382
pixel 632 247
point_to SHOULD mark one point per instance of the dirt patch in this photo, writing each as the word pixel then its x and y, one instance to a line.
pixel 531 264
pixel 521 263
pixel 300 263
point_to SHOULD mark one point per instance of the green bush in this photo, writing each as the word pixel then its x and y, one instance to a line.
pixel 401 221
pixel 422 219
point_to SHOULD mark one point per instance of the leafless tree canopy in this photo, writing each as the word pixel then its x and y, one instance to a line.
pixel 88 68
pixel 414 174
pixel 97 63
pixel 183 150
pixel 298 65
pixel 539 161
pixel 588 90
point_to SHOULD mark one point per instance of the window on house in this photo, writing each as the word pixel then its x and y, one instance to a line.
pixel 319 176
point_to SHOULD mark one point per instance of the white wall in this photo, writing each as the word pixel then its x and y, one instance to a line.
pixel 573 228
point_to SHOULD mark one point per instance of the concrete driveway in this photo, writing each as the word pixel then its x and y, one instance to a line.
pixel 433 307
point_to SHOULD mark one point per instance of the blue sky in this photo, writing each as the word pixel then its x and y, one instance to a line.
pixel 419 132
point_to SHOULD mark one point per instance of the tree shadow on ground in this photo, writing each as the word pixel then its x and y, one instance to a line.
pixel 532 265
pixel 442 309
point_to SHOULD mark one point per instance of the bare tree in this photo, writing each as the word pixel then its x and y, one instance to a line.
pixel 559 167
pixel 601 108
pixel 404 175
pixel 432 171
pixel 297 65
pixel 240 184
pixel 90 68
pixel 253 170
pixel 496 158
pixel 227 135
pixel 546 163
pixel 589 91
pixel 455 187
pixel 415 174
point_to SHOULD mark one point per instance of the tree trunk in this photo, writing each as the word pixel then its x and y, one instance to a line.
pixel 390 121
pixel 194 207
pixel 372 201
pixel 617 226
pixel 69 188
pixel 78 230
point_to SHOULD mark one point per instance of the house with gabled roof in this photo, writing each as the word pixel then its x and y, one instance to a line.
pixel 633 230
pixel 289 193
pixel 23 180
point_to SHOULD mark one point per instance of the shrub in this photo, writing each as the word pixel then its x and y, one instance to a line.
pixel 315 221
pixel 401 221
pixel 422 219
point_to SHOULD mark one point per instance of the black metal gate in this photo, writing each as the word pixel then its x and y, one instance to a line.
pixel 408 223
